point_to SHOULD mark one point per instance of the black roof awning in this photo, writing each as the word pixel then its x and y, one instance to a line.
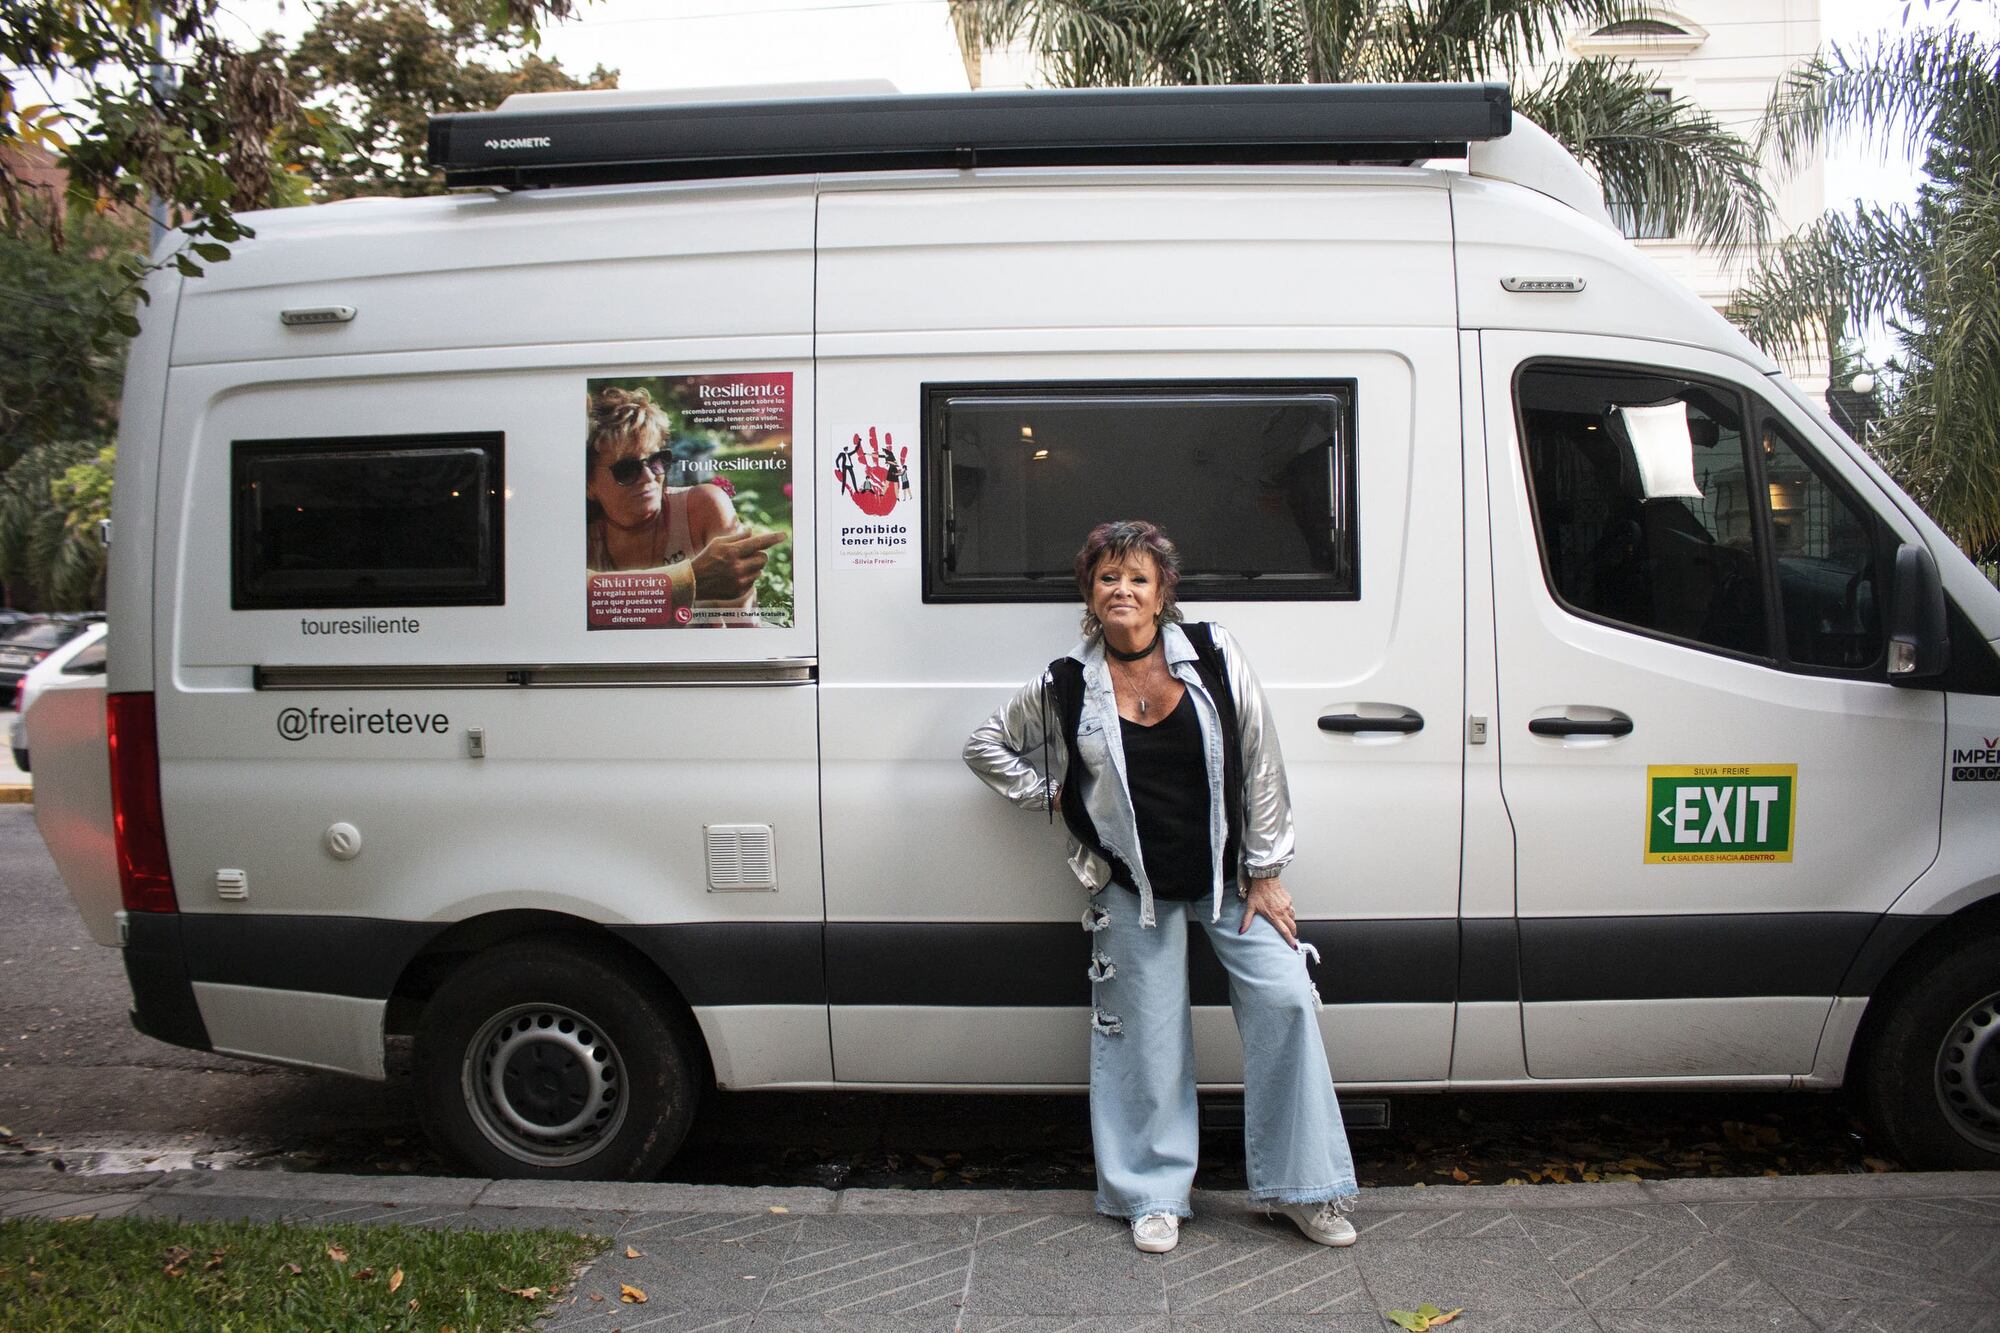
pixel 583 144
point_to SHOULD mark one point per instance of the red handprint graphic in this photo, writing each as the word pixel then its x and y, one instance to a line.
pixel 874 475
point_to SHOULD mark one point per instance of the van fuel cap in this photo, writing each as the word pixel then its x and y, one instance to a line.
pixel 343 842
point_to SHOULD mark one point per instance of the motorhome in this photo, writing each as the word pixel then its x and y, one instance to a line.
pixel 546 619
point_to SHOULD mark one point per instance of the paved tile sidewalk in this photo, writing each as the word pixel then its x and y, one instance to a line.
pixel 1884 1252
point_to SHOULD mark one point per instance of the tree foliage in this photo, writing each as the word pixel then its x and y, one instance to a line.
pixel 1929 270
pixel 1665 155
pixel 369 75
pixel 58 380
pixel 51 502
pixel 145 107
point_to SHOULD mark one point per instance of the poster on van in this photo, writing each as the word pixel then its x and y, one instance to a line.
pixel 878 485
pixel 688 502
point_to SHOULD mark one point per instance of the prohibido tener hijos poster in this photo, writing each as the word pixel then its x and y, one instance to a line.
pixel 688 502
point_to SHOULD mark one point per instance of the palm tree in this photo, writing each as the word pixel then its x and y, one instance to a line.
pixel 1663 154
pixel 1930 270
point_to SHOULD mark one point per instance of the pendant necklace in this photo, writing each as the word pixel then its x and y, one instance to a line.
pixel 1140 655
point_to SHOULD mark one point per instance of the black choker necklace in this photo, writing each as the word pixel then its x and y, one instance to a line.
pixel 1147 651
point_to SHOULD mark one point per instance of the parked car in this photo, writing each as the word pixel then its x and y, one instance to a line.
pixel 27 643
pixel 82 657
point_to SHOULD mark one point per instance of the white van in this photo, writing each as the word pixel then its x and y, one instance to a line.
pixel 1642 733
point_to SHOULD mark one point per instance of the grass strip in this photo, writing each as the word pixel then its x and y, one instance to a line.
pixel 163 1276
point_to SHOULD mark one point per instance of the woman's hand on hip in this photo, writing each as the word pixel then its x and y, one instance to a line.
pixel 1267 898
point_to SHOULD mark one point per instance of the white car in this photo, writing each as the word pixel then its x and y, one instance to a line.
pixel 80 660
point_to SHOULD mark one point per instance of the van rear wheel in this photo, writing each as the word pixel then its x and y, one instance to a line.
pixel 1931 1076
pixel 542 1061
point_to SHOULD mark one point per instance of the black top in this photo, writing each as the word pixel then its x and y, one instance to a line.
pixel 1168 778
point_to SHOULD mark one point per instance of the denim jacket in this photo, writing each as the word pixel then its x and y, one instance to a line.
pixel 1006 752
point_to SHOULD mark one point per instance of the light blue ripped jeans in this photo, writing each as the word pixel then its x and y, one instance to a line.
pixel 1144 1121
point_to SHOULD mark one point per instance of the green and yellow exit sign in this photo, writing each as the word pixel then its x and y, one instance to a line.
pixel 1705 814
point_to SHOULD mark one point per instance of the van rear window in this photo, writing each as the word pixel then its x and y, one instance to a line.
pixel 1252 479
pixel 411 520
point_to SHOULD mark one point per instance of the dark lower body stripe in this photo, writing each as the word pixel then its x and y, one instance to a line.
pixel 1042 963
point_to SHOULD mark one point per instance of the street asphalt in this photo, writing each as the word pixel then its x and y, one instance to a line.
pixel 1902 1252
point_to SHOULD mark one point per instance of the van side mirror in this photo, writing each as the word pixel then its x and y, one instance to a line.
pixel 1919 646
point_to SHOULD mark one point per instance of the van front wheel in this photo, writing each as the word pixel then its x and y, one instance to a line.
pixel 1931 1082
pixel 541 1061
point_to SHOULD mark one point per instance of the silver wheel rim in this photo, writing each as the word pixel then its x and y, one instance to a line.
pixel 545 1085
pixel 1968 1074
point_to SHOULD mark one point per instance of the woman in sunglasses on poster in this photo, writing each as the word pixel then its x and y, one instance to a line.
pixel 638 522
pixel 1153 739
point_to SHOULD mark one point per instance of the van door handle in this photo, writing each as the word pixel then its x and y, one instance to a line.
pixel 1349 723
pixel 1572 726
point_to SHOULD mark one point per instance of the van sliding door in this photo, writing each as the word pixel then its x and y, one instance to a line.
pixel 999 369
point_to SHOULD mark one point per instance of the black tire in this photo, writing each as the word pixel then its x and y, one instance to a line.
pixel 541 1060
pixel 1930 1074
pixel 20 759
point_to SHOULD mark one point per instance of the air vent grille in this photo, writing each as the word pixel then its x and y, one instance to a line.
pixel 741 856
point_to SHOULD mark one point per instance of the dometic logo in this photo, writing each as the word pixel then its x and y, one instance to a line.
pixel 295 724
pixel 1708 813
pixel 537 141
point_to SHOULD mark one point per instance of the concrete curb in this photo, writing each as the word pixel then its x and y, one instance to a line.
pixel 625 1197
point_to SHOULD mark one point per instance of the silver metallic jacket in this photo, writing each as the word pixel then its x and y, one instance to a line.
pixel 1007 752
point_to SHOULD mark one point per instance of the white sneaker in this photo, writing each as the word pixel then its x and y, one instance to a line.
pixel 1321 1222
pixel 1156 1233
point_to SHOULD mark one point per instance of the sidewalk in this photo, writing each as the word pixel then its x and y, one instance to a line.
pixel 1879 1252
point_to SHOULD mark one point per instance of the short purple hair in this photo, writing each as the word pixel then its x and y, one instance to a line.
pixel 1121 540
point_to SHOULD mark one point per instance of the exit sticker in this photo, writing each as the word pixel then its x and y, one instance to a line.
pixel 1704 814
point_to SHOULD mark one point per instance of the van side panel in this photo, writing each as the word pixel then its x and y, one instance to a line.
pixel 363 821
pixel 129 603
pixel 952 930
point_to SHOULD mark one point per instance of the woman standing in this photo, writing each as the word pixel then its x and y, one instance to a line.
pixel 1161 754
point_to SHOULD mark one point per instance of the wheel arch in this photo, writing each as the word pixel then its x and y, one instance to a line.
pixel 1897 953
pixel 464 940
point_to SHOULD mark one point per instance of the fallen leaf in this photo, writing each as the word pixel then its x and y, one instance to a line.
pixel 779 1208
pixel 630 1295
pixel 293 1269
pixel 596 1295
pixel 930 1162
pixel 1877 1164
pixel 1447 1316
pixel 525 1293
pixel 1458 1174
pixel 631 1253
pixel 335 1253
pixel 413 1305
pixel 214 1261
pixel 938 1175
pixel 1513 1180
pixel 364 1274
pixel 396 1281
pixel 1409 1319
